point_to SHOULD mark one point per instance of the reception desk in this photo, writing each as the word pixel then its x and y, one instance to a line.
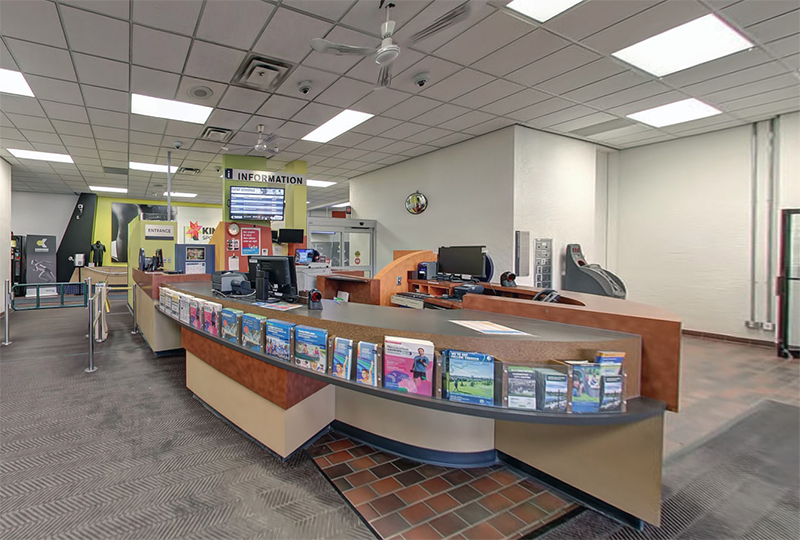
pixel 610 461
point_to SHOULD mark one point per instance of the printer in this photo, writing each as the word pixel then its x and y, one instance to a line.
pixel 231 282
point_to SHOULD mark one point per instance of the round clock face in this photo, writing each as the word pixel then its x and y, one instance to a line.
pixel 233 229
pixel 416 203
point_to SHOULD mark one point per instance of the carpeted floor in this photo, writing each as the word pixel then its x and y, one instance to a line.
pixel 126 452
pixel 740 483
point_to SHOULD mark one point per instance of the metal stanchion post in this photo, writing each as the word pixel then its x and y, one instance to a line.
pixel 135 323
pixel 90 303
pixel 7 309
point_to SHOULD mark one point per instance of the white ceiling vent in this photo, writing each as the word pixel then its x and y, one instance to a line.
pixel 262 73
pixel 216 134
pixel 188 170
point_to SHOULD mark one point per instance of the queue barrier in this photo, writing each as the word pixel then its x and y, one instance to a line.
pixel 24 303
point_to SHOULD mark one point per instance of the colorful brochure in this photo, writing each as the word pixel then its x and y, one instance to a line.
pixel 367 363
pixel 232 325
pixel 278 341
pixel 252 332
pixel 470 377
pixel 408 365
pixel 342 365
pixel 521 387
pixel 311 348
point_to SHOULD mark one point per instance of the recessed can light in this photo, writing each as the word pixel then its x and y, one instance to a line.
pixel 201 92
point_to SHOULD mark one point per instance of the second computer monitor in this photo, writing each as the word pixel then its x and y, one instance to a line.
pixel 461 260
pixel 279 274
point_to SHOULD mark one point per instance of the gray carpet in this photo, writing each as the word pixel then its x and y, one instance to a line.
pixel 126 452
pixel 742 483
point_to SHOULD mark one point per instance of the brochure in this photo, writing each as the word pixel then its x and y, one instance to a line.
pixel 521 387
pixel 611 393
pixel 278 306
pixel 488 327
pixel 212 316
pixel 408 365
pixel 252 332
pixel 196 313
pixel 367 363
pixel 176 305
pixel 231 325
pixel 470 377
pixel 585 386
pixel 311 348
pixel 552 393
pixel 185 305
pixel 611 362
pixel 342 365
pixel 278 339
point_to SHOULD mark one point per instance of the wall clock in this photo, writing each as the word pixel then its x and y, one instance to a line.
pixel 416 203
pixel 233 229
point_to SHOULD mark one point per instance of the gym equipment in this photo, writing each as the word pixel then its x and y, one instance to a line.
pixel 590 278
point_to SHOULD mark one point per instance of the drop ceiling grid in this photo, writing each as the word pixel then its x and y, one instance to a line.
pixel 413 141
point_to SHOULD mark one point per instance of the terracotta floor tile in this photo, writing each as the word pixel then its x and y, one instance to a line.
pixel 532 486
pixel 387 485
pixel 429 471
pixel 321 450
pixel 457 477
pixel 360 495
pixel 367 512
pixel 342 484
pixel 464 494
pixel 382 457
pixel 442 503
pixel 387 504
pixel 324 439
pixel 422 532
pixel 515 493
pixel 448 524
pixel 406 464
pixel 412 494
pixel 338 457
pixel 338 470
pixel 495 502
pixel 485 484
pixel 385 469
pixel 473 513
pixel 389 525
pixel 342 444
pixel 409 477
pixel 505 477
pixel 549 502
pixel 484 531
pixel 417 513
pixel 507 523
pixel 362 450
pixel 360 478
pixel 529 513
pixel 361 463
pixel 322 462
pixel 436 485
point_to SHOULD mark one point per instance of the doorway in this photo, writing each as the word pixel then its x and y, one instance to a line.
pixel 789 285
pixel 348 243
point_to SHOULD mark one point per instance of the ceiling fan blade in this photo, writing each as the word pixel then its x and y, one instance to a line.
pixel 384 77
pixel 324 46
pixel 269 138
pixel 227 147
pixel 454 16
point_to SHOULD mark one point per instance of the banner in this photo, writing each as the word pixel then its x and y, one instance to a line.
pixel 40 253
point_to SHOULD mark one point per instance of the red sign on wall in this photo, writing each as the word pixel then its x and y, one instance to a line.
pixel 251 241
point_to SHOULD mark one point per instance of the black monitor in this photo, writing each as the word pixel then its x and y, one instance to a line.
pixel 274 235
pixel 276 278
pixel 291 236
pixel 304 256
pixel 158 259
pixel 462 260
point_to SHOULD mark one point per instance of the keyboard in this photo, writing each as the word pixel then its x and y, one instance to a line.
pixel 410 299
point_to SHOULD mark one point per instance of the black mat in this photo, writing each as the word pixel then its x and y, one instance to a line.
pixel 741 483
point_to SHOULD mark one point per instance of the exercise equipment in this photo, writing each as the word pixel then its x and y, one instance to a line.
pixel 580 276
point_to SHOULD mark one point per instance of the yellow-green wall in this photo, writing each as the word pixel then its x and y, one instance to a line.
pixel 102 220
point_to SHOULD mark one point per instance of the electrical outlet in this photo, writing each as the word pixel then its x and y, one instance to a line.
pixel 399 280
pixel 751 324
pixel 768 326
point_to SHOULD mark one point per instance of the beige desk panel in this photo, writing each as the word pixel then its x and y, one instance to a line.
pixel 161 332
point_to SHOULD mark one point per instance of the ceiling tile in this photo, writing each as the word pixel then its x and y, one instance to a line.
pixel 111 134
pixel 380 100
pixel 647 103
pixel 344 92
pixel 466 121
pixel 316 114
pixel 778 95
pixel 366 15
pixel 419 150
pixel 539 109
pixel 288 35
pixel 367 70
pixel 55 90
pixel 211 100
pixel 42 60
pixel 72 128
pixel 515 102
pixel 11 133
pixel 629 95
pixel 737 78
pixel 21 105
pixel 521 52
pixel 323 8
pixel 281 107
pixel 428 135
pixel 242 99
pixel 180 17
pixel 6 62
pixel 179 129
pixel 776 28
pixel 374 143
pixel 101 72
pixel 449 140
pixel 497 89
pixel 96 34
pixel 349 139
pixel 148 124
pixel 492 33
pixel 295 130
pixel 103 98
pixel 440 114
pixel 100 117
pixel 376 125
pixel 588 18
pixel 745 14
pixel 492 125
pixel 436 68
pixel 154 83
pixel 456 85
pixel 78 142
pixel 227 119
pixel 615 83
pixel 111 146
pixel 784 46
pixel 160 50
pixel 115 8
pixel 213 62
pixel 32 20
pixel 580 77
pixel 403 131
pixel 340 63
pixel 431 13
pixel 42 137
pixel 83 152
pixel 233 26
pixel 320 81
pixel 152 139
pixel 551 66
pixel 752 89
pixel 559 117
pixel 399 147
pixel 410 108
pixel 719 67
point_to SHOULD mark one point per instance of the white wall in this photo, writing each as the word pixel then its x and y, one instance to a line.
pixel 789 165
pixel 556 194
pixel 5 226
pixel 41 213
pixel 469 191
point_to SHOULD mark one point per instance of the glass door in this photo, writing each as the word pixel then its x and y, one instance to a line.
pixel 349 247
pixel 328 242
pixel 357 251
pixel 789 285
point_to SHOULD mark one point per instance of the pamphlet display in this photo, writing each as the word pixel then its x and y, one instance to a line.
pixel 176 304
pixel 521 387
pixel 611 362
pixel 342 364
pixel 408 365
pixel 311 348
pixel 278 341
pixel 185 305
pixel 585 390
pixel 253 331
pixel 196 313
pixel 469 377
pixel 212 317
pixel 552 393
pixel 611 399
pixel 367 363
pixel 162 295
pixel 232 325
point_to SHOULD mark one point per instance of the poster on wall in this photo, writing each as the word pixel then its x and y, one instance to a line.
pixel 40 252
pixel 251 241
pixel 198 233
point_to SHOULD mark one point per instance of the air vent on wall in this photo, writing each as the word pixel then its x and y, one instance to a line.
pixel 262 73
pixel 188 170
pixel 216 134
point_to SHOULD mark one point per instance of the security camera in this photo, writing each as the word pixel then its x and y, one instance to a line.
pixel 421 79
pixel 218 169
pixel 177 144
pixel 305 87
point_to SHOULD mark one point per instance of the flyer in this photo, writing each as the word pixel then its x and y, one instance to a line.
pixel 488 327
pixel 251 241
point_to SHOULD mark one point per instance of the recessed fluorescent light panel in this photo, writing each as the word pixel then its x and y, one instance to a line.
pixel 344 121
pixel 542 10
pixel 319 183
pixel 41 156
pixel 13 82
pixel 341 205
pixel 675 113
pixel 179 194
pixel 109 189
pixel 684 46
pixel 151 167
pixel 170 109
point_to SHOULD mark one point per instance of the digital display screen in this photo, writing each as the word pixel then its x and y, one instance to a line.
pixel 257 203
pixel 304 256
pixel 195 253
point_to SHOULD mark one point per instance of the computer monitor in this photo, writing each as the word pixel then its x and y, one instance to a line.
pixel 276 278
pixel 291 236
pixel 462 260
pixel 304 256
pixel 158 259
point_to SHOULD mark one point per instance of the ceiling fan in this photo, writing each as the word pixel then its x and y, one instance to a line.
pixel 388 51
pixel 260 146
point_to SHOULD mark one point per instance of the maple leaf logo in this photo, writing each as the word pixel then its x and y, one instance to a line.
pixel 193 230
